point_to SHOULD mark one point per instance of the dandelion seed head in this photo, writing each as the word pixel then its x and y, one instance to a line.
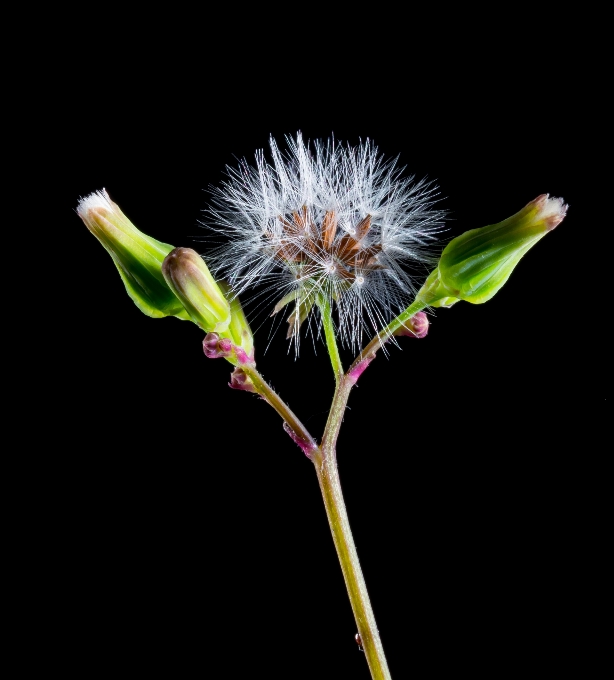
pixel 326 221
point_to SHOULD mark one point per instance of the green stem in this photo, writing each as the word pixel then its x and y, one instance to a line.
pixel 386 333
pixel 331 338
pixel 266 391
pixel 325 461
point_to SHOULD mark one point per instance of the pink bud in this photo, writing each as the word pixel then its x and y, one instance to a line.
pixel 416 327
pixel 239 380
pixel 215 347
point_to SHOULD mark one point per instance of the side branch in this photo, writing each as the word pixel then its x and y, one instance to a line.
pixel 298 431
pixel 368 353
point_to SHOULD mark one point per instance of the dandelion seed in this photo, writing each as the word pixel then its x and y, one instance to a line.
pixel 329 222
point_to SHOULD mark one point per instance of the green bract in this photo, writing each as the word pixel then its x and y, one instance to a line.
pixel 474 266
pixel 238 331
pixel 138 257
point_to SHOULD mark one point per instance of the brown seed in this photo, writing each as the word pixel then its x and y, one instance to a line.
pixel 363 227
pixel 329 228
pixel 347 247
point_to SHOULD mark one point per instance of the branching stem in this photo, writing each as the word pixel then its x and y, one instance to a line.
pixel 325 460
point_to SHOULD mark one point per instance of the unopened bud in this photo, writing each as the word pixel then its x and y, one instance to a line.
pixel 188 277
pixel 215 347
pixel 239 380
pixel 138 257
pixel 475 265
pixel 416 327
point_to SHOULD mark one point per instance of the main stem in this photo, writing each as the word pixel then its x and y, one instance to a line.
pixel 325 461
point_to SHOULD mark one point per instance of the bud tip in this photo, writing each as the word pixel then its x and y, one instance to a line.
pixel 551 210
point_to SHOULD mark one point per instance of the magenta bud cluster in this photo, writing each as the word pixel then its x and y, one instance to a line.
pixel 215 347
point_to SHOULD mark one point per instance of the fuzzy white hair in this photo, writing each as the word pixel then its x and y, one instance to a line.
pixel 337 222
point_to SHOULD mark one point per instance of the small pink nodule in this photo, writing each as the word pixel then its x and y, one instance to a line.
pixel 242 356
pixel 416 327
pixel 216 348
pixel 239 380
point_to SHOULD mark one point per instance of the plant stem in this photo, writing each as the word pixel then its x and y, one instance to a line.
pixel 331 338
pixel 325 461
pixel 266 391
pixel 387 332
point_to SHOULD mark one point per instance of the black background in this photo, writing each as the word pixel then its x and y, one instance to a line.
pixel 182 529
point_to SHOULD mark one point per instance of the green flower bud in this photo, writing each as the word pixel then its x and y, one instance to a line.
pixel 138 257
pixel 188 277
pixel 475 265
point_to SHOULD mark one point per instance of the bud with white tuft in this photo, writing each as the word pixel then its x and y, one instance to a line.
pixel 138 257
pixel 474 266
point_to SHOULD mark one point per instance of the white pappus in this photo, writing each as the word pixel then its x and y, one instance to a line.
pixel 328 223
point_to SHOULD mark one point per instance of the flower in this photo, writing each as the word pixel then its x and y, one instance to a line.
pixel 333 224
pixel 475 265
pixel 138 257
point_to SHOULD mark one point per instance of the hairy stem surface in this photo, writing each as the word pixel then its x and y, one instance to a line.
pixel 266 391
pixel 325 461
